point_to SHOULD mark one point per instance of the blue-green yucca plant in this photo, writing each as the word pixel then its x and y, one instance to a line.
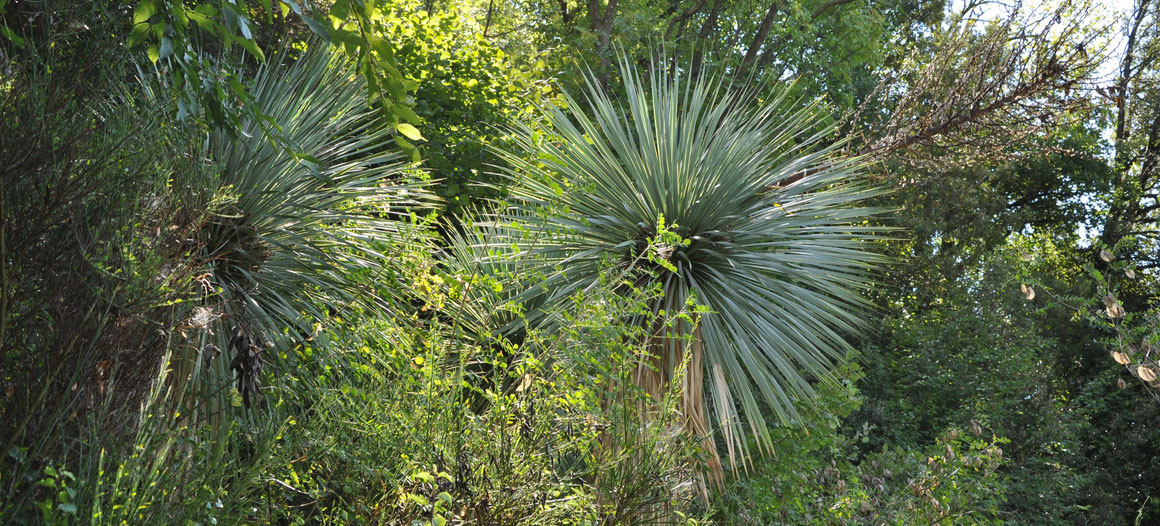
pixel 299 227
pixel 742 205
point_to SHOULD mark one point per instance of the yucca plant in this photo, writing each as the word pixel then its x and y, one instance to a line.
pixel 299 230
pixel 730 201
pixel 299 222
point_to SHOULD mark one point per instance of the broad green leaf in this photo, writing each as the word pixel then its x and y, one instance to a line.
pixel 407 114
pixel 144 11
pixel 318 26
pixel 202 20
pixel 253 48
pixel 11 35
pixel 205 10
pixel 138 34
pixel 409 131
pixel 340 9
pixel 346 37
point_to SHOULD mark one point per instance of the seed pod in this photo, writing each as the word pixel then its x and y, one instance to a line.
pixel 1113 308
pixel 1146 373
pixel 1105 255
pixel 1028 292
pixel 1121 358
pixel 1121 384
pixel 1130 273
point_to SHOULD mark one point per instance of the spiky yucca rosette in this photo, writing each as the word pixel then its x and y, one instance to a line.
pixel 765 224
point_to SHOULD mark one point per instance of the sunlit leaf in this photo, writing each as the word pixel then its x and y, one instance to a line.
pixel 409 131
pixel 144 11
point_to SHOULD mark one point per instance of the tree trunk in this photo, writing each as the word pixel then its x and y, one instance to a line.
pixel 1124 211
pixel 703 38
pixel 601 20
pixel 758 39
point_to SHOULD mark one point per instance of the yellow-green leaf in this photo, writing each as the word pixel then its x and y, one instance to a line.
pixel 409 131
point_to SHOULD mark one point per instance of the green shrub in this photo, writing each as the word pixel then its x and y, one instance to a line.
pixel 98 194
pixel 416 420
pixel 816 475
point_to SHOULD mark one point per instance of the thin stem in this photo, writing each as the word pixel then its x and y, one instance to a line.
pixel 3 278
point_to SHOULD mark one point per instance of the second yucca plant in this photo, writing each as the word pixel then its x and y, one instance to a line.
pixel 767 227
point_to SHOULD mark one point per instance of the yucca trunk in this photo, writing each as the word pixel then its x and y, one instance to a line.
pixel 672 356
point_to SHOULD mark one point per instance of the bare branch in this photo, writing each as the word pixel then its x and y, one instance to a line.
pixel 986 89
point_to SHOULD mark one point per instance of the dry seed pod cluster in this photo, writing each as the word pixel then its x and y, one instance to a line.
pixel 1113 308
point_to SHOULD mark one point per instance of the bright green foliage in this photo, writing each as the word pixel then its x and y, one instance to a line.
pixel 831 49
pixel 510 434
pixel 776 245
pixel 466 90
pixel 359 29
pixel 424 432
pixel 205 89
